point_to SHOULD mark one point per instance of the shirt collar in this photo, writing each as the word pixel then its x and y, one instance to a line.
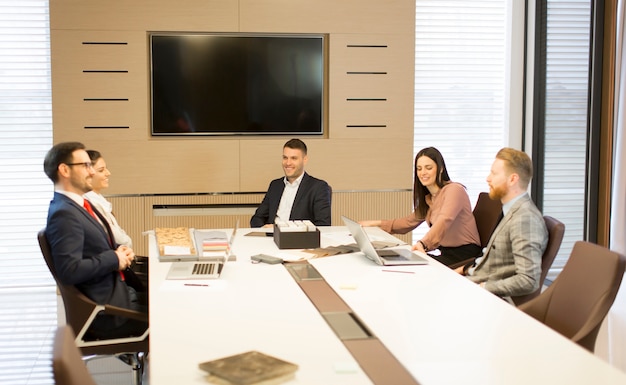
pixel 507 206
pixel 295 182
pixel 73 196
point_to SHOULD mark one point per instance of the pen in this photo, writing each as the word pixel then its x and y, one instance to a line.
pixel 399 271
pixel 196 284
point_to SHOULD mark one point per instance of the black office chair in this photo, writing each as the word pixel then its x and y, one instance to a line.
pixel 80 311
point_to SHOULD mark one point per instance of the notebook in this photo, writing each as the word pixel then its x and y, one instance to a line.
pixel 176 244
pixel 249 368
pixel 207 269
pixel 388 257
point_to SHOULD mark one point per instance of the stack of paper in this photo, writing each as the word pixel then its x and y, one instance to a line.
pixel 212 243
pixel 293 226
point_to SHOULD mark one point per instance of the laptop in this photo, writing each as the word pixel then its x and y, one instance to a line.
pixel 387 257
pixel 220 244
pixel 203 269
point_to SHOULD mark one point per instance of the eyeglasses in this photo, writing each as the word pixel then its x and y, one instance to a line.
pixel 87 165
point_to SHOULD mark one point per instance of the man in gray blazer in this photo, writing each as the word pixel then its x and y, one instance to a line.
pixel 511 263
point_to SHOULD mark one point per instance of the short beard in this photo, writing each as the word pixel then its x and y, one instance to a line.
pixel 497 193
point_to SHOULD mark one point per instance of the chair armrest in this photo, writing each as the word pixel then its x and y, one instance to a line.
pixel 117 311
pixel 538 306
pixel 123 312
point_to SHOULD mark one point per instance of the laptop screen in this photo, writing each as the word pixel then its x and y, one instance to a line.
pixel 362 240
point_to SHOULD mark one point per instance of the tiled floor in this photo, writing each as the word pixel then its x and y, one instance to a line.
pixel 28 320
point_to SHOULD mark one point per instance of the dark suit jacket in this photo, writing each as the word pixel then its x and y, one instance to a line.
pixel 83 256
pixel 312 202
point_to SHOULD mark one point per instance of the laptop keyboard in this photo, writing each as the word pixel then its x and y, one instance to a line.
pixel 204 268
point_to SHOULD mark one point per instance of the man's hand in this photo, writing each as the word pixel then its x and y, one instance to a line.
pixel 126 256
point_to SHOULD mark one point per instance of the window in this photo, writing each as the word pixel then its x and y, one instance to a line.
pixel 560 148
pixel 467 106
pixel 25 136
pixel 27 290
pixel 462 102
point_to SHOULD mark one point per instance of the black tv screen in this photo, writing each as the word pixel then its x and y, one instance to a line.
pixel 237 84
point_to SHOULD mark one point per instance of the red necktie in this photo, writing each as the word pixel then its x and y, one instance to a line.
pixel 89 209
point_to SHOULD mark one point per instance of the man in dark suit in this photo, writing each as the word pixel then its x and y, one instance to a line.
pixel 511 264
pixel 296 196
pixel 83 250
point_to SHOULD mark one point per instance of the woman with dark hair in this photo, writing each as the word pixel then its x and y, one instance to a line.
pixel 99 182
pixel 444 205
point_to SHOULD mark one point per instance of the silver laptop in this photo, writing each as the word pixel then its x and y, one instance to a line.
pixel 207 269
pixel 388 257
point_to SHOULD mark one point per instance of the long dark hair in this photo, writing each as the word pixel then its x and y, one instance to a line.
pixel 419 190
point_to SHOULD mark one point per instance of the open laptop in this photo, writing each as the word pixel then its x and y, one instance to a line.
pixel 203 269
pixel 388 257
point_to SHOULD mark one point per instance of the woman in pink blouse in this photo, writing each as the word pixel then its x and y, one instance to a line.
pixel 444 205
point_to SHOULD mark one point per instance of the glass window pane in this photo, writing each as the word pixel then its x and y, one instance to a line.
pixel 460 75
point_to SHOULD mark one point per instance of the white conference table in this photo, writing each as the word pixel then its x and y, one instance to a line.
pixel 442 328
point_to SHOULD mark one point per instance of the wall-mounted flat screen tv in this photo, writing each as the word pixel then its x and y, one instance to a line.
pixel 237 84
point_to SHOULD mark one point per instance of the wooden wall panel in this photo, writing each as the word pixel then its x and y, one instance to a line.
pixel 346 16
pixel 369 74
pixel 131 213
pixel 99 82
pixel 101 93
pixel 367 145
pixel 177 166
pixel 143 15
pixel 346 164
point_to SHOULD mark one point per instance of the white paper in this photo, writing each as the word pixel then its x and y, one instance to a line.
pixel 176 250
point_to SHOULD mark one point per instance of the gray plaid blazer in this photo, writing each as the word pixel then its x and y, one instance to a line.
pixel 512 262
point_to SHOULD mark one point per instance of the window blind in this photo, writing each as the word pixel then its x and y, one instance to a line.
pixel 28 300
pixel 460 88
pixel 25 136
pixel 566 109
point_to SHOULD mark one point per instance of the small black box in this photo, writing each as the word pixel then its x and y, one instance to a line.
pixel 296 239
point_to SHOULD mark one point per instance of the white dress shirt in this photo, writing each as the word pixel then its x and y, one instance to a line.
pixel 286 200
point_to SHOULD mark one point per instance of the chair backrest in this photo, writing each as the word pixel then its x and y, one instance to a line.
pixel 67 363
pixel 556 230
pixel 581 296
pixel 78 307
pixel 486 212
